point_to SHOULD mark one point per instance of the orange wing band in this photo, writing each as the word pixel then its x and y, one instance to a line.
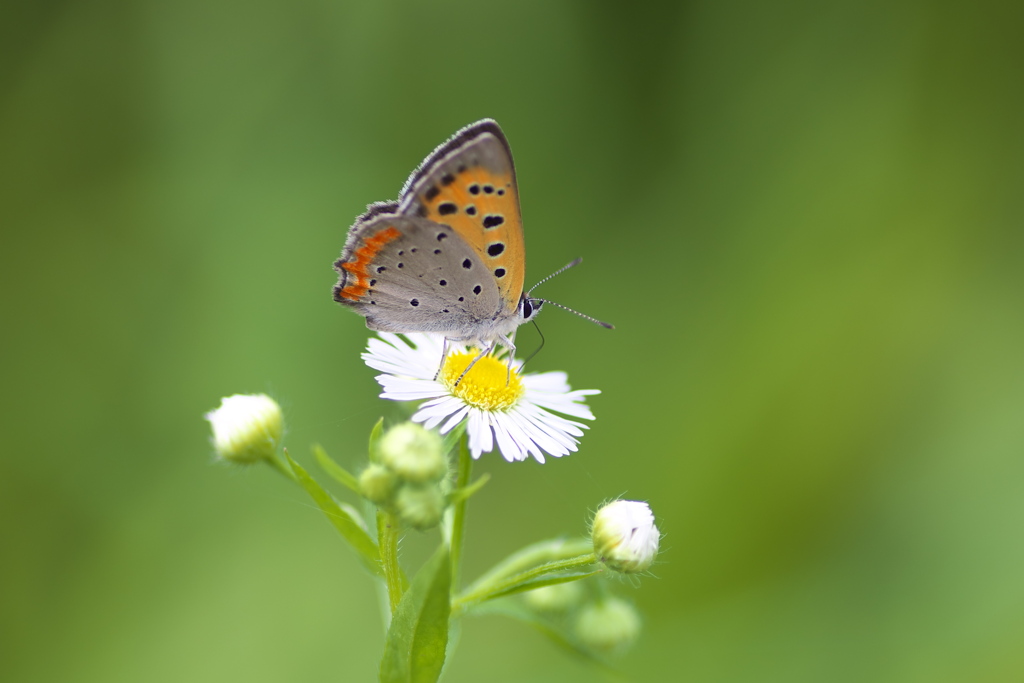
pixel 364 256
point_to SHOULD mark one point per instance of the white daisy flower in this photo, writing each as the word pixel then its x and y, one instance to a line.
pixel 512 411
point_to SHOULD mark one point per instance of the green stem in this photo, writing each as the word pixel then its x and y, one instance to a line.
pixel 278 463
pixel 387 541
pixel 532 555
pixel 465 468
pixel 499 588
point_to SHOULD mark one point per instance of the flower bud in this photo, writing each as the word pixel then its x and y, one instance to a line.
pixel 624 535
pixel 420 507
pixel 554 599
pixel 413 453
pixel 246 428
pixel 377 483
pixel 608 627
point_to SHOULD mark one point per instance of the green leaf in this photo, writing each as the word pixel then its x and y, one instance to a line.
pixel 531 556
pixel 375 434
pixel 541 582
pixel 332 468
pixel 466 491
pixel 343 520
pixel 548 573
pixel 416 642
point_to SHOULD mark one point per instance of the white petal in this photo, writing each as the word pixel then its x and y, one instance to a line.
pixel 455 419
pixel 558 406
pixel 486 435
pixel 553 382
pixel 474 429
pixel 539 436
pixel 520 436
pixel 510 451
pixel 506 444
pixel 433 413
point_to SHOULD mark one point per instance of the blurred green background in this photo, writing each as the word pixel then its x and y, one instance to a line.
pixel 805 219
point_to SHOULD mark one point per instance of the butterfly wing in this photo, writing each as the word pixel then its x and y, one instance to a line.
pixel 469 183
pixel 408 274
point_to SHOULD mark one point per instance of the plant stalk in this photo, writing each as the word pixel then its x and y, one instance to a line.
pixel 387 540
pixel 465 468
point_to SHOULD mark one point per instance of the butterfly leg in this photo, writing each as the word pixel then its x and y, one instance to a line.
pixel 444 357
pixel 509 343
pixel 483 353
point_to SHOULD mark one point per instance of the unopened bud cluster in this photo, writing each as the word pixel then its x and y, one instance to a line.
pixel 408 475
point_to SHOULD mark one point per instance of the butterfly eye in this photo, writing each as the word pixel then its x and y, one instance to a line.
pixel 530 307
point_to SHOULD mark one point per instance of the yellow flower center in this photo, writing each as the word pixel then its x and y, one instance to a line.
pixel 487 385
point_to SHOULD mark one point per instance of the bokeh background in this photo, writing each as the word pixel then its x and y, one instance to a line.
pixel 805 219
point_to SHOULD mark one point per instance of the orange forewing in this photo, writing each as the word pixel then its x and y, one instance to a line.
pixel 483 208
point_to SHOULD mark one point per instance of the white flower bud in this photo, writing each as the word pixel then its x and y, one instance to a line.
pixel 413 453
pixel 624 535
pixel 246 428
pixel 554 599
pixel 420 507
pixel 608 627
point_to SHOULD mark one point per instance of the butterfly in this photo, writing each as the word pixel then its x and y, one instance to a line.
pixel 449 256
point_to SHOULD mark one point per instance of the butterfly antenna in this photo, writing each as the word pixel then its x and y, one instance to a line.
pixel 557 272
pixel 582 315
pixel 542 340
